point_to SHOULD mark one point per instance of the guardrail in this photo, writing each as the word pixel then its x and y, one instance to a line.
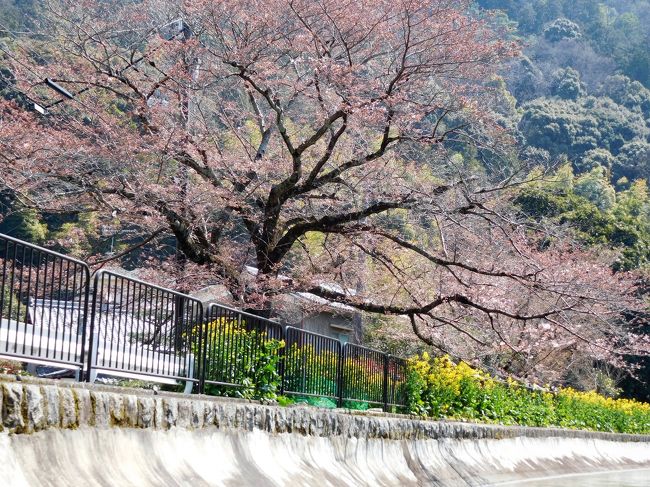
pixel 43 305
pixel 312 365
pixel 139 329
pixel 52 313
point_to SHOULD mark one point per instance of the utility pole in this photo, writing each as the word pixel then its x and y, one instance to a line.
pixel 192 64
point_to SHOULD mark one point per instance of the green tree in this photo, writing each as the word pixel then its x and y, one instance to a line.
pixel 627 92
pixel 575 127
pixel 561 29
pixel 595 158
pixel 567 84
pixel 598 216
pixel 595 187
pixel 633 161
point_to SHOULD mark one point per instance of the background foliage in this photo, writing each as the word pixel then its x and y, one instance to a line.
pixel 440 388
pixel 577 103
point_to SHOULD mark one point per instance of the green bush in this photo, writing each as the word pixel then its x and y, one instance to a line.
pixel 310 371
pixel 439 388
pixel 245 362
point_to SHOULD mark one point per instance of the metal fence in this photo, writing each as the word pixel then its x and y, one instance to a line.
pixel 134 329
pixel 43 305
pixel 312 364
pixel 233 343
pixel 364 373
pixel 138 329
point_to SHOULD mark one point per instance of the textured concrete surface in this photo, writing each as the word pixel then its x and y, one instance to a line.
pixel 60 434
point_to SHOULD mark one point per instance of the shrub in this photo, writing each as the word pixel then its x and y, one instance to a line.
pixel 244 362
pixel 439 388
pixel 310 371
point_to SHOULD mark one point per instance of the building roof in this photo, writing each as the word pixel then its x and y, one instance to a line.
pixel 315 299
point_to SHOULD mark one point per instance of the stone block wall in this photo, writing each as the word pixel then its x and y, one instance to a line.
pixel 31 405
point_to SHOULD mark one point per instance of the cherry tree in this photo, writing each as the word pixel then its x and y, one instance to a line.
pixel 311 140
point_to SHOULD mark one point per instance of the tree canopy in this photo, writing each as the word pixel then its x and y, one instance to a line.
pixel 367 152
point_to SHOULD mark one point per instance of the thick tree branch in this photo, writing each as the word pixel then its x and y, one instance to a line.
pixel 328 223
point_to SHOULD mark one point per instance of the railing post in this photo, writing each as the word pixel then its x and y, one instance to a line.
pixel 84 325
pixel 341 374
pixel 203 348
pixel 91 334
pixel 385 388
pixel 180 307
pixel 281 364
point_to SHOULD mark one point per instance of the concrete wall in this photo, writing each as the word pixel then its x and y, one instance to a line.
pixel 322 323
pixel 75 434
pixel 317 316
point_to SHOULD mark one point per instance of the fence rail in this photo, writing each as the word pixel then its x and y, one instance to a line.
pixel 43 304
pixel 139 329
pixel 232 342
pixel 53 313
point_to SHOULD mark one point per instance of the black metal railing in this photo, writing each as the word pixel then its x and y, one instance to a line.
pixel 234 341
pixel 43 305
pixel 139 329
pixel 363 375
pixel 134 329
pixel 312 364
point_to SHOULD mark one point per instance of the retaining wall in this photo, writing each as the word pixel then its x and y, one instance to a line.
pixel 61 434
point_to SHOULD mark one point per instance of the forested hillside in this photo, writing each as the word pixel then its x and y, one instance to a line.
pixel 611 35
pixel 581 92
pixel 484 177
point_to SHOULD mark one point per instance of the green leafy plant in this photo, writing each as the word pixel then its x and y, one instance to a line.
pixel 285 401
pixel 243 363
pixel 311 371
pixel 440 388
